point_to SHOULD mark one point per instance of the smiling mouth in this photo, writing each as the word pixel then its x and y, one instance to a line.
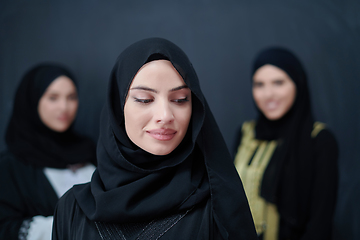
pixel 162 134
pixel 271 106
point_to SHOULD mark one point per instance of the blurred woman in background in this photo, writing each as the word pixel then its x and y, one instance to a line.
pixel 44 156
pixel 286 160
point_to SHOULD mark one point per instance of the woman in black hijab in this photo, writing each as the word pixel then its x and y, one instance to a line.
pixel 168 177
pixel 286 160
pixel 44 156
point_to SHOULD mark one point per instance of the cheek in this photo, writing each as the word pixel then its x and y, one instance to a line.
pixel 74 107
pixel 45 109
pixel 289 94
pixel 135 118
pixel 184 116
pixel 257 96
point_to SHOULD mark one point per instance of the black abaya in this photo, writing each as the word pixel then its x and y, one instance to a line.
pixel 195 189
pixel 301 177
pixel 25 190
pixel 25 193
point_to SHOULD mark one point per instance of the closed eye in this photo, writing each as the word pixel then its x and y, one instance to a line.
pixel 258 84
pixel 53 97
pixel 72 97
pixel 144 101
pixel 279 82
pixel 180 100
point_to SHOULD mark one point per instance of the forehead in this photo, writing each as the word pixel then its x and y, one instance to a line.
pixel 269 72
pixel 158 72
pixel 61 84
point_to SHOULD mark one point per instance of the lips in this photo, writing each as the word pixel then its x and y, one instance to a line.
pixel 63 118
pixel 162 134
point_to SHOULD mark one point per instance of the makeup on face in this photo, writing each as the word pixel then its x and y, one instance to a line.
pixel 158 108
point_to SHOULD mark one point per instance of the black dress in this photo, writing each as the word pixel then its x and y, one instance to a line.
pixel 190 224
pixel 192 193
pixel 317 200
pixel 25 193
pixel 301 177
pixel 31 147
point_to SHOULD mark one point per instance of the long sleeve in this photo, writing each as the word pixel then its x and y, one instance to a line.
pixel 40 228
pixel 25 193
pixel 63 216
pixel 324 189
pixel 70 223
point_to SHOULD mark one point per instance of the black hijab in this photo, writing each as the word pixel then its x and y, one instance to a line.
pixel 29 139
pixel 131 185
pixel 286 174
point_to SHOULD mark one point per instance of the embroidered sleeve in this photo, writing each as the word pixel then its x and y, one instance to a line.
pixel 24 229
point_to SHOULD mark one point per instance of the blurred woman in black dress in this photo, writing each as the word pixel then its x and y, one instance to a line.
pixel 44 156
pixel 286 160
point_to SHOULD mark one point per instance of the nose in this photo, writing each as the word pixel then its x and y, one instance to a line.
pixel 63 104
pixel 164 113
pixel 268 92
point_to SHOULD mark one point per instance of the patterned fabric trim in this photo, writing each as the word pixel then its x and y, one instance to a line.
pixel 24 229
pixel 251 160
pixel 151 231
pixel 318 126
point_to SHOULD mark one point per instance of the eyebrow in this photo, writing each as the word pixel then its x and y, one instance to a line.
pixel 178 88
pixel 153 90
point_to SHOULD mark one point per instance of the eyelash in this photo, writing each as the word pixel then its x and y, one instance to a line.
pixel 181 100
pixel 256 85
pixel 71 98
pixel 144 101
pixel 147 101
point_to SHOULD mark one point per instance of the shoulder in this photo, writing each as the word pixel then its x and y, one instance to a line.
pixel 324 137
pixel 326 147
pixel 64 216
pixel 248 129
pixel 70 222
pixel 67 202
pixel 244 129
pixel 8 159
pixel 64 213
pixel 6 156
pixel 248 125
pixel 9 165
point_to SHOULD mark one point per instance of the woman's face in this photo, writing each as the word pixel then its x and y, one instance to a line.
pixel 274 92
pixel 58 105
pixel 158 108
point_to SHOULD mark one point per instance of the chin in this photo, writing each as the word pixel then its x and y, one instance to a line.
pixel 273 117
pixel 60 129
pixel 160 151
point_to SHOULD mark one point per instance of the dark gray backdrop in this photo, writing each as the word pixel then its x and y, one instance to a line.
pixel 221 39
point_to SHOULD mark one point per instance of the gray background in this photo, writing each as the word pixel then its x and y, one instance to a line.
pixel 221 39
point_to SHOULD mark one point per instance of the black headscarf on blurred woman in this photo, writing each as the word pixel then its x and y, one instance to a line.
pixel 29 139
pixel 132 185
pixel 290 168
